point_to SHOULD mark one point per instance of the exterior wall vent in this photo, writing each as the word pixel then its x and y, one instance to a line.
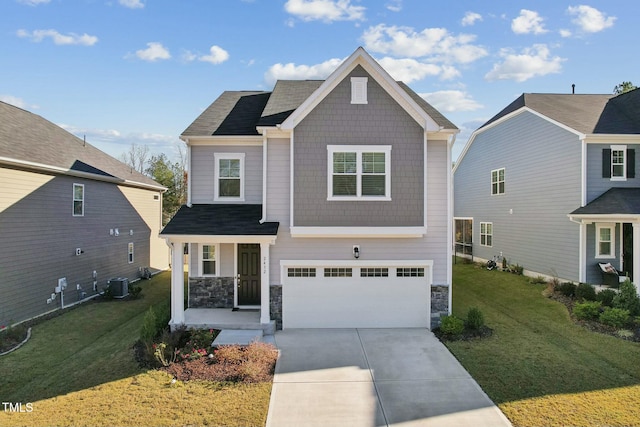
pixel 359 90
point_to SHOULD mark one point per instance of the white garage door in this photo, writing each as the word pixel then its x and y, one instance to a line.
pixel 369 294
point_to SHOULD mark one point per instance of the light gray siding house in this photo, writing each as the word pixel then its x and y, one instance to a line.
pixel 549 183
pixel 318 204
pixel 69 213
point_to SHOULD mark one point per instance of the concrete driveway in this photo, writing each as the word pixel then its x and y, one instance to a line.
pixel 374 377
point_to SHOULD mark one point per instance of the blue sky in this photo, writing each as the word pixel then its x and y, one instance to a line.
pixel 140 71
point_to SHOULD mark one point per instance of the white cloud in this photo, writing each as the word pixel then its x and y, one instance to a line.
pixel 528 22
pixel 217 55
pixel 33 2
pixel 565 33
pixel 325 10
pixel 15 101
pixel 532 62
pixel 153 52
pixel 132 4
pixel 292 71
pixel 470 18
pixel 450 101
pixel 394 5
pixel 60 39
pixel 436 43
pixel 589 19
pixel 409 70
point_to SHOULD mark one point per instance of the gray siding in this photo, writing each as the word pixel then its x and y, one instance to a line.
pixel 335 121
pixel 596 184
pixel 278 181
pixel 594 274
pixel 39 237
pixel 542 186
pixel 203 172
pixel 431 247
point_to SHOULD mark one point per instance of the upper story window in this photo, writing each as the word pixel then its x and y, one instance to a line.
pixel 208 260
pixel 78 199
pixel 229 176
pixel 605 240
pixel 497 181
pixel 130 252
pixel 359 90
pixel 359 172
pixel 618 163
pixel 486 234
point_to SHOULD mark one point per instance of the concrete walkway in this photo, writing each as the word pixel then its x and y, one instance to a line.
pixel 374 377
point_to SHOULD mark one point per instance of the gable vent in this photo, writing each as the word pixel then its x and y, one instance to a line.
pixel 358 90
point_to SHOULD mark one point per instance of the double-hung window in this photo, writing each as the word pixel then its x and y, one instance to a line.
pixel 497 181
pixel 605 240
pixel 229 177
pixel 486 234
pixel 78 199
pixel 208 260
pixel 618 164
pixel 359 172
pixel 130 252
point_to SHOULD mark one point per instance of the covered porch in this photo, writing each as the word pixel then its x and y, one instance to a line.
pixel 610 233
pixel 228 267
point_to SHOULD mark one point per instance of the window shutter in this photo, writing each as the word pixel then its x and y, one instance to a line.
pixel 631 163
pixel 606 163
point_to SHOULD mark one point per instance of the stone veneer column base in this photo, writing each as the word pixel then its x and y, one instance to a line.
pixel 275 304
pixel 439 304
pixel 211 292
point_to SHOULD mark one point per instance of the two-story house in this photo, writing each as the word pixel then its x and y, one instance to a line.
pixel 319 203
pixel 550 183
pixel 71 218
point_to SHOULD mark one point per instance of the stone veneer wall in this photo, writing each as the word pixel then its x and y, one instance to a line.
pixel 439 304
pixel 211 292
pixel 275 304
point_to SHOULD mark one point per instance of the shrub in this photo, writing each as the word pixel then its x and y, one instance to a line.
pixel 475 319
pixel 589 310
pixel 615 317
pixel 538 280
pixel 606 297
pixel 149 328
pixel 627 298
pixel 586 292
pixel 166 350
pixel 451 325
pixel 567 289
pixel 198 344
pixel 163 315
pixel 135 291
pixel 12 336
pixel 107 293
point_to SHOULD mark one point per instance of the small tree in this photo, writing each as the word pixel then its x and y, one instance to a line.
pixel 624 87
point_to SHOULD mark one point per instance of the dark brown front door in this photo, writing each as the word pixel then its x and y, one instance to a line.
pixel 249 274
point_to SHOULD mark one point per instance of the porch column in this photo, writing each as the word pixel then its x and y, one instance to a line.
pixel 636 255
pixel 582 253
pixel 265 297
pixel 177 284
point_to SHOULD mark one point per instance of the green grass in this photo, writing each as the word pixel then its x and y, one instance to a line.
pixel 79 369
pixel 539 367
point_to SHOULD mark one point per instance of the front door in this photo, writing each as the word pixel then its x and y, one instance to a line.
pixel 248 274
pixel 627 249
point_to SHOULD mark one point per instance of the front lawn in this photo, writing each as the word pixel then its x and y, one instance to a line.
pixel 540 367
pixel 79 369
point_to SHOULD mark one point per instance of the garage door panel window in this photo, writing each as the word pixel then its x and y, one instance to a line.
pixel 374 272
pixel 338 272
pixel 301 272
pixel 410 272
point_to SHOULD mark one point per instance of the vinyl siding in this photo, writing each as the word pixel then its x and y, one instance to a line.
pixel 596 184
pixel 431 247
pixel 542 186
pixel 203 172
pixel 335 121
pixel 40 235
pixel 594 274
pixel 278 180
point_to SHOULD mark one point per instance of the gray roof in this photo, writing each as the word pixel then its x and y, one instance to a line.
pixel 27 137
pixel 589 114
pixel 240 112
pixel 220 220
pixel 615 201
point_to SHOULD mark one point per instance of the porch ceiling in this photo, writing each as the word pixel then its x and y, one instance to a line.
pixel 219 220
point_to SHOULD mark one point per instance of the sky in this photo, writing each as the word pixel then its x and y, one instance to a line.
pixel 123 72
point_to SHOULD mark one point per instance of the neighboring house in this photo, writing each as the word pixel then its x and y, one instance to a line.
pixel 320 203
pixel 550 183
pixel 68 213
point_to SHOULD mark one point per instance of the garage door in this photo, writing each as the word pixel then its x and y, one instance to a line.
pixel 339 294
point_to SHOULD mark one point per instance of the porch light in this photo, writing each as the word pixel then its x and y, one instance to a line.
pixel 356 251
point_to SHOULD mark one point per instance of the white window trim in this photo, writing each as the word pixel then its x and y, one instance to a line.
pixel 486 234
pixel 498 181
pixel 359 149
pixel 216 259
pixel 359 90
pixel 612 227
pixel 234 156
pixel 130 252
pixel 73 196
pixel 622 148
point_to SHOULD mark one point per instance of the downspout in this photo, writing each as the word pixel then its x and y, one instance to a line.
pixel 450 141
pixel 264 177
